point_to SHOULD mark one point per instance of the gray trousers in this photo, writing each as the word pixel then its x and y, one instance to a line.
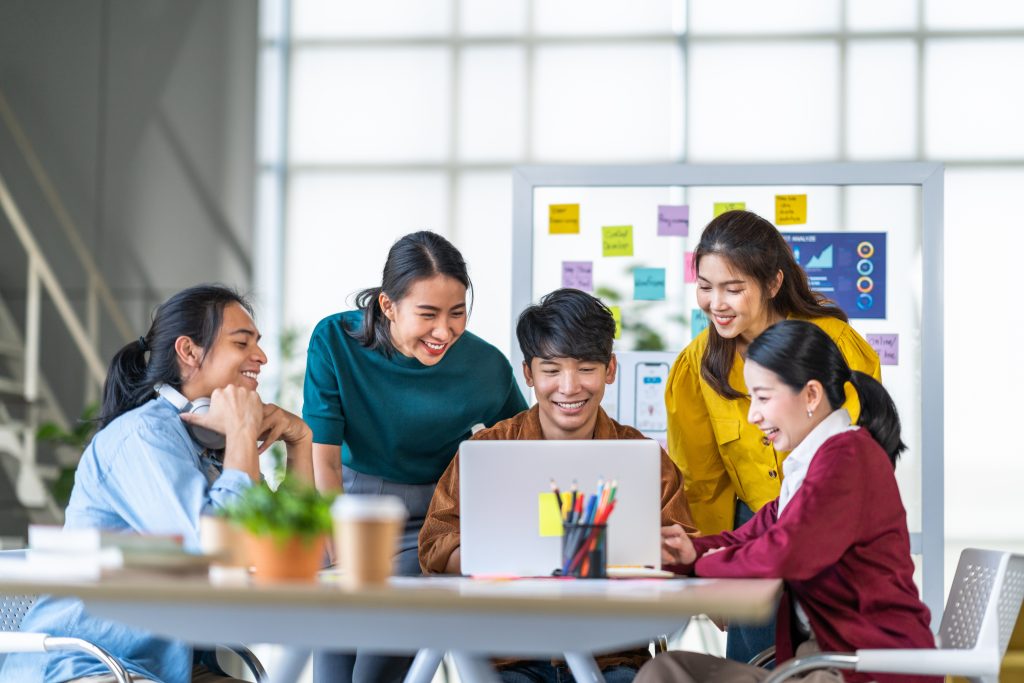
pixel 364 667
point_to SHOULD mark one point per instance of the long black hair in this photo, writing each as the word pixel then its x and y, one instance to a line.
pixel 798 351
pixel 415 257
pixel 195 313
pixel 757 249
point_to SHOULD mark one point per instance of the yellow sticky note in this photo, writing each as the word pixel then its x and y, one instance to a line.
pixel 790 209
pixel 617 314
pixel 617 240
pixel 722 207
pixel 564 219
pixel 548 514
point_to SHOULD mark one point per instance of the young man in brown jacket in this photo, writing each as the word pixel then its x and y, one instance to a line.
pixel 566 341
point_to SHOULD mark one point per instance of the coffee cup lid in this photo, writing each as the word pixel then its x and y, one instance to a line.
pixel 356 506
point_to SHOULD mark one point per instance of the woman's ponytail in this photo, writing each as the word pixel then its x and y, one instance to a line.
pixel 124 378
pixel 878 414
pixel 374 331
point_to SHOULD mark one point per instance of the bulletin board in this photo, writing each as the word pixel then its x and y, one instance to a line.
pixel 869 236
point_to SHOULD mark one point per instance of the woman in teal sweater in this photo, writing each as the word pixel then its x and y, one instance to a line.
pixel 391 391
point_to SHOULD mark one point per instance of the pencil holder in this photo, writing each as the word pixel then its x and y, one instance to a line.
pixel 585 551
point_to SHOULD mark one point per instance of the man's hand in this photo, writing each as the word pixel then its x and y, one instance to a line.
pixel 676 546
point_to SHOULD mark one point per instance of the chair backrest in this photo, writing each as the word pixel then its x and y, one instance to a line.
pixel 13 609
pixel 984 601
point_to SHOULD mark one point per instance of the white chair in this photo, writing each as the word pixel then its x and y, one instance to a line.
pixel 13 609
pixel 980 614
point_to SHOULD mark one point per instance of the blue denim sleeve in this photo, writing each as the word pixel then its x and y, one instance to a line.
pixel 156 482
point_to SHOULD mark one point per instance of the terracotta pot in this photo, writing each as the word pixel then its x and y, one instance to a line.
pixel 292 560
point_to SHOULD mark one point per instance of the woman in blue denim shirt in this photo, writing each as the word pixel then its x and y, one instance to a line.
pixel 147 470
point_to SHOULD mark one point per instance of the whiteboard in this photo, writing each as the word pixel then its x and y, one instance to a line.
pixel 890 213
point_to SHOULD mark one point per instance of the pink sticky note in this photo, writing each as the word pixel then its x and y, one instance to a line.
pixel 578 275
pixel 673 220
pixel 887 346
pixel 689 269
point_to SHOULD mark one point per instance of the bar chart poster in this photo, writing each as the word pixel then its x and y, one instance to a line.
pixel 847 267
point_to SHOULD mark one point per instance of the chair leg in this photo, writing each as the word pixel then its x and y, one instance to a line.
pixel 424 666
pixel 251 662
pixel 584 668
pixel 55 644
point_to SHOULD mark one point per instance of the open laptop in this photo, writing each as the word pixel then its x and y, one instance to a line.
pixel 502 485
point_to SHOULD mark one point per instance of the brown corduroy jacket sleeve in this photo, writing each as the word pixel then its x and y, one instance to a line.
pixel 439 535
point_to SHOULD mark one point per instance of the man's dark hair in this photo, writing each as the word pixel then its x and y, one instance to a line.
pixel 567 323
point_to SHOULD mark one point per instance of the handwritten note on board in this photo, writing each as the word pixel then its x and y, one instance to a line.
pixel 649 284
pixel 578 275
pixel 689 268
pixel 887 346
pixel 617 315
pixel 673 220
pixel 563 219
pixel 790 209
pixel 617 240
pixel 722 207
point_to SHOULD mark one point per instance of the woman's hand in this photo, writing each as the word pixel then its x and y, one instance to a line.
pixel 279 424
pixel 676 546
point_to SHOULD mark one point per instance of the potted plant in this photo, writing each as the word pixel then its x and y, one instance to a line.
pixel 284 529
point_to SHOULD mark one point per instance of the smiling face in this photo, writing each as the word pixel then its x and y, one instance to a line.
pixel 569 393
pixel 733 301
pixel 779 411
pixel 429 319
pixel 234 357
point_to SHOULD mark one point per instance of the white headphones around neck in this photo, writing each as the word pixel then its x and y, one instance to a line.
pixel 207 438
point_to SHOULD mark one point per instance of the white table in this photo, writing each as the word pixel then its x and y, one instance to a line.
pixel 471 619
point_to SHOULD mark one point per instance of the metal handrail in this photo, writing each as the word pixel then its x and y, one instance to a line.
pixel 95 277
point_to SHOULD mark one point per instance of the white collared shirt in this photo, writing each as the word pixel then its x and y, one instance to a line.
pixel 795 467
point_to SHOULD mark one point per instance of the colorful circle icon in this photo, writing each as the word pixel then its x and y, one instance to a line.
pixel 865 250
pixel 865 267
pixel 865 284
pixel 865 301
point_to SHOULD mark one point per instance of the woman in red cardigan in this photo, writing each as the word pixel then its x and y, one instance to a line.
pixel 837 534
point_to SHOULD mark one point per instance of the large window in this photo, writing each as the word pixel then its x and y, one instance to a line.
pixel 382 118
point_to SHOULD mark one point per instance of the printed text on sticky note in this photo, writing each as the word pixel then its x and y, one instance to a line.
pixel 548 514
pixel 617 240
pixel 617 316
pixel 563 219
pixel 578 275
pixel 790 209
pixel 673 220
pixel 722 207
pixel 649 284
pixel 698 323
pixel 689 268
pixel 887 346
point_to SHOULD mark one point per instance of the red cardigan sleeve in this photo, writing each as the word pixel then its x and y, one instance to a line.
pixel 817 526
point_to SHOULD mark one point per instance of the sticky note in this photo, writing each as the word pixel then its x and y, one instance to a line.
pixel 550 519
pixel 617 240
pixel 887 346
pixel 722 207
pixel 790 209
pixel 689 268
pixel 578 275
pixel 673 220
pixel 698 323
pixel 564 219
pixel 617 314
pixel 649 284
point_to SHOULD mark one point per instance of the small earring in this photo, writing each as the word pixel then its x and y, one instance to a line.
pixel 810 413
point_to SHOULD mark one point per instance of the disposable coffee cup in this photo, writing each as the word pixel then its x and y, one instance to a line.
pixel 366 533
pixel 222 541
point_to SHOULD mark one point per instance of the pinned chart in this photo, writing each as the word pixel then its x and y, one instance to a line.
pixel 673 220
pixel 847 267
pixel 722 207
pixel 564 219
pixel 887 346
pixel 790 209
pixel 649 284
pixel 578 275
pixel 617 240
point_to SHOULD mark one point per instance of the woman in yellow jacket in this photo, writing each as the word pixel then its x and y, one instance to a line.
pixel 747 279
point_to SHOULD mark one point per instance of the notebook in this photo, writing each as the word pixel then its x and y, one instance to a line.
pixel 504 484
